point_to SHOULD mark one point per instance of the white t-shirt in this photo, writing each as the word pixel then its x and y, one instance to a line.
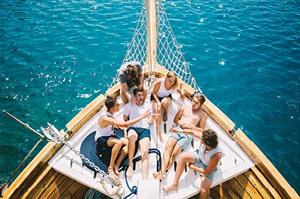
pixel 162 91
pixel 136 111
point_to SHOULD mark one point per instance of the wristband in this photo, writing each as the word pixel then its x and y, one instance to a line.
pixel 179 130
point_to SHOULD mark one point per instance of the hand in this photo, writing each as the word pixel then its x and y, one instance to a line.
pixel 154 116
pixel 191 166
pixel 173 130
pixel 182 96
pixel 140 87
pixel 158 104
pixel 146 114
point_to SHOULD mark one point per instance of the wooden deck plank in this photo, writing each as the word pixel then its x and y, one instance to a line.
pixel 24 180
pixel 262 182
pixel 80 193
pixel 254 180
pixel 219 192
pixel 245 183
pixel 71 190
pixel 266 167
pixel 53 186
pixel 40 182
pixel 62 188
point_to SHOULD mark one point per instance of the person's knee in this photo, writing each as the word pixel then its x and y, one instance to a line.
pixel 132 138
pixel 124 141
pixel 165 101
pixel 168 148
pixel 145 154
pixel 118 144
pixel 158 109
pixel 204 191
pixel 182 157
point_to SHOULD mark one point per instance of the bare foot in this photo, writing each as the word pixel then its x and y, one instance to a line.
pixel 159 176
pixel 172 187
pixel 129 171
pixel 112 173
pixel 156 175
pixel 117 170
pixel 165 117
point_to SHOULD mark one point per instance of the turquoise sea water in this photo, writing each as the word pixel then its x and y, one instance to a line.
pixel 57 56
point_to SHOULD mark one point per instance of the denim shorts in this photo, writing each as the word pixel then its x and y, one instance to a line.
pixel 183 140
pixel 142 132
pixel 199 164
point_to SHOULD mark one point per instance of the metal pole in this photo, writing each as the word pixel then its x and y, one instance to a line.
pixel 26 125
pixel 24 160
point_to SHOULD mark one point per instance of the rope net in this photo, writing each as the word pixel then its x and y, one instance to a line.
pixel 169 54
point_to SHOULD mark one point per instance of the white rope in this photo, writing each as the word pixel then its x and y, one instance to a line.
pixel 169 54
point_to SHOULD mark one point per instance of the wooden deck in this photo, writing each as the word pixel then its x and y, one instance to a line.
pixel 54 185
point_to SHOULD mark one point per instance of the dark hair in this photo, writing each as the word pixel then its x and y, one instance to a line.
pixel 132 71
pixel 110 102
pixel 210 138
pixel 137 90
pixel 201 98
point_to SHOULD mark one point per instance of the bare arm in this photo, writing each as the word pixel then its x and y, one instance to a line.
pixel 179 115
pixel 182 96
pixel 141 78
pixel 155 90
pixel 213 163
pixel 113 121
pixel 125 90
pixel 194 133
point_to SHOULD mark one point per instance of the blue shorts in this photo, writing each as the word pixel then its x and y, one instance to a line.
pixel 198 163
pixel 142 132
pixel 183 140
pixel 102 141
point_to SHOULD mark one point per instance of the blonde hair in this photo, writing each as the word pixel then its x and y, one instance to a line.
pixel 173 74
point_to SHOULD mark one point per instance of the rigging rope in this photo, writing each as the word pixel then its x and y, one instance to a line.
pixel 169 54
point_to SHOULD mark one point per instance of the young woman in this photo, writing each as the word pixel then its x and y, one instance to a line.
pixel 162 96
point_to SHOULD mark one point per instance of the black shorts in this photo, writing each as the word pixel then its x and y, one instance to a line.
pixel 152 98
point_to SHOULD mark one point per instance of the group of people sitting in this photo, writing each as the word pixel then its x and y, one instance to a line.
pixel 137 118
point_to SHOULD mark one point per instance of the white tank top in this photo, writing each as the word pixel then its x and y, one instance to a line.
pixel 107 131
pixel 162 91
pixel 205 155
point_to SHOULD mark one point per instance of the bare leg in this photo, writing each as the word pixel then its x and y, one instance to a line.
pixel 171 143
pixel 183 158
pixel 174 154
pixel 158 119
pixel 144 147
pixel 205 185
pixel 124 152
pixel 132 136
pixel 116 146
pixel 165 105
